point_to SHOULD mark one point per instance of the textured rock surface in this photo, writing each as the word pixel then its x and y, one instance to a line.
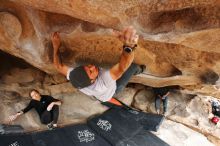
pixel 77 107
pixel 177 37
pixel 183 136
pixel 179 44
pixel 191 110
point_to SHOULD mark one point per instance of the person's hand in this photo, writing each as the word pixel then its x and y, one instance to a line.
pixel 211 115
pixel 13 117
pixel 128 36
pixel 55 38
pixel 50 106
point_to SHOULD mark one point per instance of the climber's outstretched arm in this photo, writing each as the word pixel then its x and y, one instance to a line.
pixel 129 38
pixel 55 38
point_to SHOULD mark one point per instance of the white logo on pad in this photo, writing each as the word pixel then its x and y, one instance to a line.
pixel 134 112
pixel 86 136
pixel 14 144
pixel 104 125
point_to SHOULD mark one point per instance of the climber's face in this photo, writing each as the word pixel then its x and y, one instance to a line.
pixel 35 95
pixel 92 71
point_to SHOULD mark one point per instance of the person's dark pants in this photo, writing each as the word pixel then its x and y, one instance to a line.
pixel 123 81
pixel 49 116
pixel 157 103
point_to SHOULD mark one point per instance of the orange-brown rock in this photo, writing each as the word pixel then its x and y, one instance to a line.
pixel 179 39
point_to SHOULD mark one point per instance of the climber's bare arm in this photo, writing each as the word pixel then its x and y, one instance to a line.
pixel 55 38
pixel 129 37
pixel 166 94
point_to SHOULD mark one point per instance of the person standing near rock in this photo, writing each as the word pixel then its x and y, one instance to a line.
pixel 98 82
pixel 215 107
pixel 214 111
pixel 46 106
pixel 161 95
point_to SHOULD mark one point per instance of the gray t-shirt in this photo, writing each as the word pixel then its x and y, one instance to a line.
pixel 103 88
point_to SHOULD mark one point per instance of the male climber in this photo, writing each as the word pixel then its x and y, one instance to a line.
pixel 98 82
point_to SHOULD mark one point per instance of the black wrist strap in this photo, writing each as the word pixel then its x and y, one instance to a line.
pixel 129 49
pixel 20 112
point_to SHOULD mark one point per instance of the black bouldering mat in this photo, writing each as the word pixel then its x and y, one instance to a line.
pixel 114 126
pixel 54 137
pixel 16 140
pixel 143 138
pixel 117 126
pixel 11 129
pixel 149 121
pixel 74 135
pixel 82 135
